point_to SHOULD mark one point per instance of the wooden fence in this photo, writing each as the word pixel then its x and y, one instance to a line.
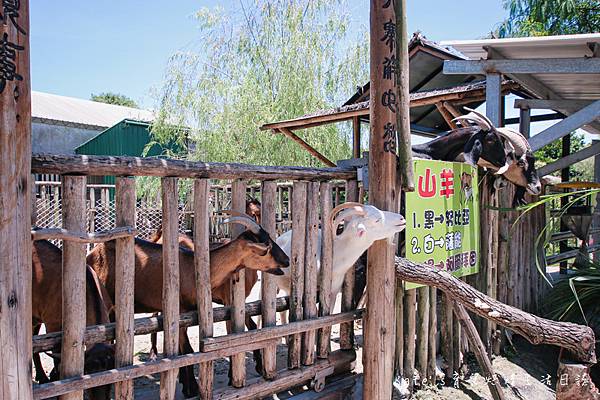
pixel 309 358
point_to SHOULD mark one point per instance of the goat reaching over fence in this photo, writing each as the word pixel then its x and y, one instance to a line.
pixel 47 309
pixel 355 226
pixel 253 249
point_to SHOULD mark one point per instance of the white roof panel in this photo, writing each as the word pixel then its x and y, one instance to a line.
pixel 73 111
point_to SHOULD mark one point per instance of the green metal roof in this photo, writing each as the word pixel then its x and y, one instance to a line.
pixel 126 138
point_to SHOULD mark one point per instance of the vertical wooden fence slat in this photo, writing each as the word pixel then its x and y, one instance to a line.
pixel 399 348
pixel 15 208
pixel 269 193
pixel 326 299
pixel 456 342
pixel 310 270
pixel 238 288
pixel 348 295
pixel 422 330
pixel 203 288
pixel 431 363
pixel 73 285
pixel 170 301
pixel 124 284
pixel 410 322
pixel 446 335
pixel 297 267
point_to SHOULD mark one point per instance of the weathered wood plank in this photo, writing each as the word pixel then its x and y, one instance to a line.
pixel 83 237
pixel 348 295
pixel 326 298
pixel 543 104
pixel 137 166
pixel 433 330
pixel 15 209
pixel 422 346
pixel 124 284
pixel 170 301
pixel 203 290
pixel 268 286
pixel 446 335
pixel 297 267
pixel 524 66
pixel 493 97
pixel 73 286
pixel 566 126
pixel 410 328
pixel 238 289
pixel 310 270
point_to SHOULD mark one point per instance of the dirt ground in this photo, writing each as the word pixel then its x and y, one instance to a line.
pixel 524 373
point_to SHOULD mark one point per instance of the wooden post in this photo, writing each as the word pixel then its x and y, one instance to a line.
pixel 310 270
pixel 564 177
pixel 297 267
pixel 399 350
pixel 348 295
pixel 124 284
pixel 356 137
pixel 410 329
pixel 446 335
pixel 170 302
pixel 379 324
pixel 422 345
pixel 73 285
pixel 457 356
pixel 15 209
pixel 201 206
pixel 326 298
pixel 431 363
pixel 238 288
pixel 596 217
pixel 268 287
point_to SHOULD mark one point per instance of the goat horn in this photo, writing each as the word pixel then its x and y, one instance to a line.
pixel 341 207
pixel 519 142
pixel 477 118
pixel 242 219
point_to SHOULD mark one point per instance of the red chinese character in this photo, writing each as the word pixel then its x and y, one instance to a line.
pixel 447 182
pixel 427 190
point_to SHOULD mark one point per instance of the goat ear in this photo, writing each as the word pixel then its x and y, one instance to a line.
pixel 260 249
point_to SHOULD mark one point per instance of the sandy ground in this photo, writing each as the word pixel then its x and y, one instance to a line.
pixel 522 372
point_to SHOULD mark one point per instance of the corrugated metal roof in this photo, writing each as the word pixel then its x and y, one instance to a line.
pixel 70 111
pixel 566 86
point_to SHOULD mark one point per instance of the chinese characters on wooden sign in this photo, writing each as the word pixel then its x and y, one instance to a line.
pixel 443 217
pixel 390 69
pixel 9 15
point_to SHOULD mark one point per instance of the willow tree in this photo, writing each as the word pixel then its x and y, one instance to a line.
pixel 262 62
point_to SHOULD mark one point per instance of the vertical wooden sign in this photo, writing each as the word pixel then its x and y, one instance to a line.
pixel 379 327
pixel 15 202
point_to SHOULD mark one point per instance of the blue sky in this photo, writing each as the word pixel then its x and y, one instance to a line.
pixel 84 47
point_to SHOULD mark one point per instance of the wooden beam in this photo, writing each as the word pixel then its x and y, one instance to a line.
pixel 74 283
pixel 524 66
pixel 566 126
pixel 536 118
pixel 15 208
pixel 326 299
pixel 356 137
pixel 493 98
pixel 308 147
pixel 571 159
pixel 83 237
pixel 539 89
pixel 543 104
pixel 124 284
pixel 379 324
pixel 446 115
pixel 310 270
pixel 525 122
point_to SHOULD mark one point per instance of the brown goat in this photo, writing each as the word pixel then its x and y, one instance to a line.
pixel 47 309
pixel 253 249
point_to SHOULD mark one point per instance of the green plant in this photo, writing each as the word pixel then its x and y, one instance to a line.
pixel 114 98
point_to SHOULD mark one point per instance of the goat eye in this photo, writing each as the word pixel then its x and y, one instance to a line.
pixel 340 229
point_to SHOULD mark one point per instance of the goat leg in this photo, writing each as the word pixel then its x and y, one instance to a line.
pixel 186 374
pixel 258 364
pixel 153 340
pixel 40 374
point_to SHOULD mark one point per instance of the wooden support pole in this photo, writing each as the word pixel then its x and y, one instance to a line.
pixel 326 298
pixel 170 302
pixel 446 336
pixel 457 355
pixel 410 328
pixel 379 325
pixel 268 286
pixel 201 205
pixel 310 270
pixel 422 331
pixel 73 286
pixel 313 152
pixel 564 177
pixel 596 217
pixel 348 295
pixel 124 284
pixel 433 330
pixel 356 137
pixel 297 267
pixel 399 347
pixel 479 350
pixel 15 209
pixel 238 289
pixel 446 115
